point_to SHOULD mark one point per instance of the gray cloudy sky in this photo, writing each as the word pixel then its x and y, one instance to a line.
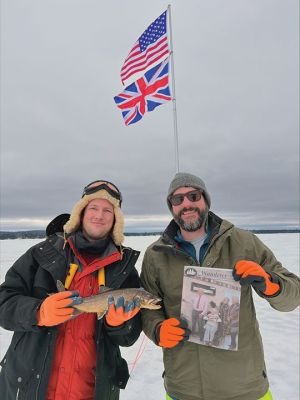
pixel 237 88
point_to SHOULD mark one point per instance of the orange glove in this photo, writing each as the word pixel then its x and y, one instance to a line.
pixel 172 331
pixel 53 309
pixel 248 272
pixel 119 313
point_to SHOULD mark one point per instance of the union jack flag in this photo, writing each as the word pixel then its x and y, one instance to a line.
pixel 145 94
pixel 150 48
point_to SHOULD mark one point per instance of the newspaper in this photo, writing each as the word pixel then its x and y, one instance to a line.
pixel 210 304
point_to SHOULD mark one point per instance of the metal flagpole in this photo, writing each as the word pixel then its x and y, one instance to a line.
pixel 174 96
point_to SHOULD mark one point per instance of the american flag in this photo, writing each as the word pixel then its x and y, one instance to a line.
pixel 145 94
pixel 151 47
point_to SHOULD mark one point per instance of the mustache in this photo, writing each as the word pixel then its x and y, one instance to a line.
pixel 185 209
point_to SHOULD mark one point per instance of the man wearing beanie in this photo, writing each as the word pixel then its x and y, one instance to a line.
pixel 196 236
pixel 54 354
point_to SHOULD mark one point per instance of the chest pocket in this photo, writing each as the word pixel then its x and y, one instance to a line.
pixel 45 279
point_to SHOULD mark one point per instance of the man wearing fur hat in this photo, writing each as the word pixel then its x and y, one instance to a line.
pixel 196 236
pixel 53 355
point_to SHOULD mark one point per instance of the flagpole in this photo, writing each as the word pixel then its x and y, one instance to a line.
pixel 174 96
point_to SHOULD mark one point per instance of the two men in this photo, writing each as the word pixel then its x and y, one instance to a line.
pixel 196 236
pixel 56 356
pixel 53 355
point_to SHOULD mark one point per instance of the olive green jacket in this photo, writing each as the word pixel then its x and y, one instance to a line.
pixel 198 372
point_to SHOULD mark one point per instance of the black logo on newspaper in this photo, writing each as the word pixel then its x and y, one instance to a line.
pixel 190 272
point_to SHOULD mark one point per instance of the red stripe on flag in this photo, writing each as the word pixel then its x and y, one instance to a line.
pixel 130 60
pixel 145 66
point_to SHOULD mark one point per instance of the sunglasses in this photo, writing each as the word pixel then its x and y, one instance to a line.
pixel 177 199
pixel 105 185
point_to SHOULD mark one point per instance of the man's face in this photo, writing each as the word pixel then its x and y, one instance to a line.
pixel 98 219
pixel 190 215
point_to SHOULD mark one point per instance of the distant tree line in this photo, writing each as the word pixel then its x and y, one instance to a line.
pixel 41 234
pixel 36 234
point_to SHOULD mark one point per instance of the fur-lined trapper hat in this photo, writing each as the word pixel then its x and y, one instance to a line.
pixel 101 191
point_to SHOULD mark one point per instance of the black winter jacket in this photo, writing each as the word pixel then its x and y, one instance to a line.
pixel 25 369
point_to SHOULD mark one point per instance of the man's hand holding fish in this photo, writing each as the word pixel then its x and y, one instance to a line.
pixel 120 312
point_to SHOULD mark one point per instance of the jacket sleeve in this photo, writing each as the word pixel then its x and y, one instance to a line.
pixel 128 333
pixel 149 281
pixel 289 296
pixel 17 306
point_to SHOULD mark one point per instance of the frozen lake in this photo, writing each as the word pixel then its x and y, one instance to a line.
pixel 280 331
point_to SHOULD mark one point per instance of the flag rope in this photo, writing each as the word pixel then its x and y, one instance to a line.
pixel 173 94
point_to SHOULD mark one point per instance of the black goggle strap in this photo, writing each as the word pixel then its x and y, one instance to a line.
pixel 102 182
pixel 114 193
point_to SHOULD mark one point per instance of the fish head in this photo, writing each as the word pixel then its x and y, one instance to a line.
pixel 148 300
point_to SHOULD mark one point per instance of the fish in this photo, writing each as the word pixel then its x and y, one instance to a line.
pixel 98 303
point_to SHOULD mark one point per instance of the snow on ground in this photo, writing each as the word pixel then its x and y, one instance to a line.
pixel 280 331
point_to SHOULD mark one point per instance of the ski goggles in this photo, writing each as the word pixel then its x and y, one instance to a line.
pixel 103 185
pixel 193 196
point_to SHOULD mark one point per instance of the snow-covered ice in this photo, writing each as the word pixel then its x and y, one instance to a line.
pixel 280 331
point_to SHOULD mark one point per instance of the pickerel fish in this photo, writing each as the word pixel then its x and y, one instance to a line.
pixel 98 303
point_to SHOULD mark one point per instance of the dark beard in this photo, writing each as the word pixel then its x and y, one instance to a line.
pixel 191 226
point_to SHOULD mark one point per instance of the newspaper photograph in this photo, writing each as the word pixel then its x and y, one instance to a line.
pixel 211 304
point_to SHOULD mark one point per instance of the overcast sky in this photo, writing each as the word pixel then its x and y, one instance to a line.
pixel 237 89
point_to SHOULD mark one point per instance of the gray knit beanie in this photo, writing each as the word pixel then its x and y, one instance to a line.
pixel 184 179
